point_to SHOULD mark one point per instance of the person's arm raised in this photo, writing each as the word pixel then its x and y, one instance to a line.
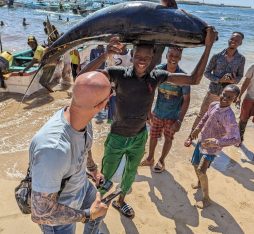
pixel 112 48
pixel 195 77
pixel 94 64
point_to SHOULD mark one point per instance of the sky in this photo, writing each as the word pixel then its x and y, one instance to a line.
pixel 231 2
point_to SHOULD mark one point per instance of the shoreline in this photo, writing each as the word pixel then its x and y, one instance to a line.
pixel 210 4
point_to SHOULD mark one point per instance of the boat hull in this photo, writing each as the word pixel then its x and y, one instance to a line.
pixel 18 84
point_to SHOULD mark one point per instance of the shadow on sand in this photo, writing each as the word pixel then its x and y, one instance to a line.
pixel 229 167
pixel 248 154
pixel 127 223
pixel 217 213
pixel 37 99
pixel 174 203
pixel 129 226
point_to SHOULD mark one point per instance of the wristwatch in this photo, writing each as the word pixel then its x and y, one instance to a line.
pixel 86 217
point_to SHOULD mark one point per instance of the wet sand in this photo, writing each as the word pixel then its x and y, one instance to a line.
pixel 163 202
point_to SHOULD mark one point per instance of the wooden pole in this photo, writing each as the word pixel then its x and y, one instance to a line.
pixel 1 45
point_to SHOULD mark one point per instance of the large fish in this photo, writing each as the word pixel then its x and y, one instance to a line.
pixel 134 22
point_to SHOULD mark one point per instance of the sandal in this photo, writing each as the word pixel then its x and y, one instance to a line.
pixel 125 209
pixel 188 142
pixel 159 167
pixel 146 163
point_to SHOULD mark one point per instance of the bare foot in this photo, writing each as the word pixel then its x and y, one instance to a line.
pixel 147 162
pixel 196 186
pixel 204 203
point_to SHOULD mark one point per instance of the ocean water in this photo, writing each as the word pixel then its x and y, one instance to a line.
pixel 224 19
pixel 14 34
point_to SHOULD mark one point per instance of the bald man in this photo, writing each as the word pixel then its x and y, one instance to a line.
pixel 61 193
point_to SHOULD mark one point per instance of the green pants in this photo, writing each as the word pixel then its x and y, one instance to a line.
pixel 115 147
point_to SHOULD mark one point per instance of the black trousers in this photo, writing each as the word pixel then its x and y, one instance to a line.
pixel 74 68
pixel 2 84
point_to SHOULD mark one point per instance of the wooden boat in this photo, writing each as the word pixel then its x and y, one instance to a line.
pixel 89 8
pixel 58 7
pixel 18 84
pixel 36 5
pixel 14 81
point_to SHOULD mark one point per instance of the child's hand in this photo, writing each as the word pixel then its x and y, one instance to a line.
pixel 194 134
pixel 210 142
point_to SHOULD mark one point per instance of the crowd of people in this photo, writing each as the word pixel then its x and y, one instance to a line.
pixel 127 80
pixel 69 133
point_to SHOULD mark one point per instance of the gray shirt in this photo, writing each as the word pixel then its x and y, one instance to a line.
pixel 219 66
pixel 56 152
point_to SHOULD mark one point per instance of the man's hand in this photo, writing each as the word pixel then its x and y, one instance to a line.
pixel 21 73
pixel 211 36
pixel 194 134
pixel 226 78
pixel 233 79
pixel 175 127
pixel 150 119
pixel 114 46
pixel 98 209
pixel 97 176
pixel 210 142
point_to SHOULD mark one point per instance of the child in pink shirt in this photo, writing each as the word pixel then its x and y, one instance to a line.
pixel 218 129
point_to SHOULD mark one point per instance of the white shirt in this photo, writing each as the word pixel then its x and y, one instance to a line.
pixel 120 60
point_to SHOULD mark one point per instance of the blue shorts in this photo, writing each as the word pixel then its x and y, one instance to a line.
pixel 197 156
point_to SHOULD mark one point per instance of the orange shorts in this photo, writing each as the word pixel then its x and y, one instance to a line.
pixel 161 125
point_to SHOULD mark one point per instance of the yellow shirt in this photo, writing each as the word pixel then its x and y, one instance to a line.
pixel 38 54
pixel 74 57
pixel 7 56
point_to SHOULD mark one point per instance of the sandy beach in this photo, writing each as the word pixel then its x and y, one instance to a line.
pixel 164 203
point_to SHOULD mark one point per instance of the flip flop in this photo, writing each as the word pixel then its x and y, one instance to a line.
pixel 125 209
pixel 146 163
pixel 159 167
pixel 188 142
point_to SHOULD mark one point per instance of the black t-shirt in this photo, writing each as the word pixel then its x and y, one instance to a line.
pixel 134 98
